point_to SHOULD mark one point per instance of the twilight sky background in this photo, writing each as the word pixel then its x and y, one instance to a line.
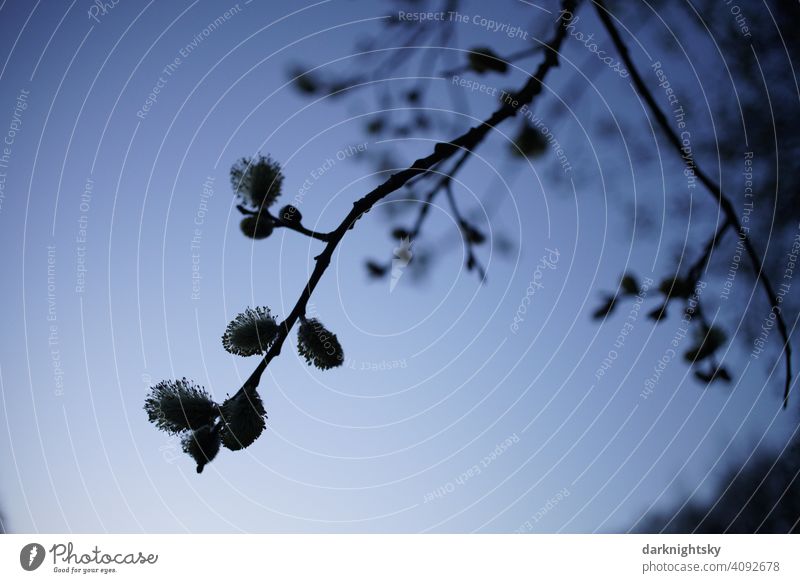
pixel 354 449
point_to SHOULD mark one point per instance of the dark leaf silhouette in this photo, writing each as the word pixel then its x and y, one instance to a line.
pixel 529 142
pixel 400 233
pixel 605 308
pixel 472 234
pixel 483 59
pixel 375 126
pixel 304 81
pixel 629 284
pixel 658 313
pixel 718 374
pixel 676 287
pixel 708 340
pixel 421 121
pixel 375 269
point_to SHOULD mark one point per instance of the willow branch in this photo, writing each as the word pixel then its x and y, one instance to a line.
pixel 441 152
pixel 713 188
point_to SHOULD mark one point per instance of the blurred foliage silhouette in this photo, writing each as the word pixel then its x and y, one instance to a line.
pixel 761 496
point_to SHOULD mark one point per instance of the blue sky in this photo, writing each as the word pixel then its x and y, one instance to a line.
pixel 91 183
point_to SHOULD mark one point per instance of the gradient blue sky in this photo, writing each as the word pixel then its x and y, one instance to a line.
pixel 348 450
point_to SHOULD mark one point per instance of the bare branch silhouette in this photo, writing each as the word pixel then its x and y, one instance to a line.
pixel 466 142
pixel 183 407
pixel 731 218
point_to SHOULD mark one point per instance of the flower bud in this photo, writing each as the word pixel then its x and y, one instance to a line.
pixel 251 332
pixel 319 346
pixel 256 227
pixel 243 416
pixel 290 214
pixel 257 181
pixel 203 445
pixel 175 406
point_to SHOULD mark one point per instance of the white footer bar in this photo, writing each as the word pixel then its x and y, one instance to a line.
pixel 400 558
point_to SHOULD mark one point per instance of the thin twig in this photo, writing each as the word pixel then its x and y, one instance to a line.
pixel 520 54
pixel 701 262
pixel 465 229
pixel 714 189
pixel 443 181
pixel 278 222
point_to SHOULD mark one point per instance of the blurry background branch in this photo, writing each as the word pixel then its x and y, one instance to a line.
pixel 725 204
